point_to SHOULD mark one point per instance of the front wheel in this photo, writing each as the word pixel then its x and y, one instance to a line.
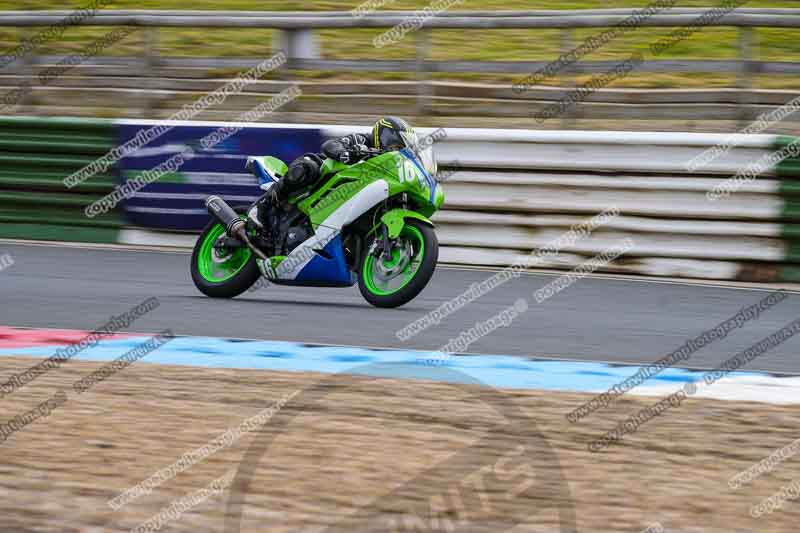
pixel 221 274
pixel 392 282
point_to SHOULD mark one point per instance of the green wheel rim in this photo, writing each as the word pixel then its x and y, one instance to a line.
pixel 215 269
pixel 412 237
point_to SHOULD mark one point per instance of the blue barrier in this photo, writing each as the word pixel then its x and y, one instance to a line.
pixel 175 201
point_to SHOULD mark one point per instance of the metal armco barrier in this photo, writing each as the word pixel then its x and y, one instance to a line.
pixel 508 193
pixel 518 191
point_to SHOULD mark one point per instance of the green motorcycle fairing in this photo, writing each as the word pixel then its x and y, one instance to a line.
pixel 343 182
pixel 347 191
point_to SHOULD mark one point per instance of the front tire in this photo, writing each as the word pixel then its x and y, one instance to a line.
pixel 221 276
pixel 395 282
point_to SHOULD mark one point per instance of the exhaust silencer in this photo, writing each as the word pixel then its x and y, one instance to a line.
pixel 234 225
pixel 226 216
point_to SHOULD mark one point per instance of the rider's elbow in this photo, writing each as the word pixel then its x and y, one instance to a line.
pixel 333 149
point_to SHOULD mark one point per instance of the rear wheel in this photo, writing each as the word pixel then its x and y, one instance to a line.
pixel 394 281
pixel 221 273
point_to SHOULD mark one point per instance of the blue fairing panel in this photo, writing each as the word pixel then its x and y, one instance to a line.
pixel 264 176
pixel 331 271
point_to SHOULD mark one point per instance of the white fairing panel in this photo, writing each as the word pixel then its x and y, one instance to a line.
pixel 367 198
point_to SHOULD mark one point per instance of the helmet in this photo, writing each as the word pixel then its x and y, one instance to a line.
pixel 391 133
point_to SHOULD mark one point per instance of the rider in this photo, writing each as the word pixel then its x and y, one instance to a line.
pixel 305 171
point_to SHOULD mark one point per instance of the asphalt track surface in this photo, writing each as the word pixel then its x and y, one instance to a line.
pixel 595 319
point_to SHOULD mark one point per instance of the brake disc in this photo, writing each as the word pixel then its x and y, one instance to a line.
pixel 384 273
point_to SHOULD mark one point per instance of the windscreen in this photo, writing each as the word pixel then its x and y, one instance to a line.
pixel 425 155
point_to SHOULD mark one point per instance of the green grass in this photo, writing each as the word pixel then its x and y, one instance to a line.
pixel 776 44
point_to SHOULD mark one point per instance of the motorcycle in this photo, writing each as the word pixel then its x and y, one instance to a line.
pixel 367 223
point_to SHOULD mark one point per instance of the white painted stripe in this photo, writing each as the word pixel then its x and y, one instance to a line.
pixel 166 210
pixel 708 228
pixel 650 266
pixel 193 196
pixel 649 138
pixel 594 181
pixel 596 157
pixel 721 247
pixel 747 388
pixel 664 204
pixel 152 238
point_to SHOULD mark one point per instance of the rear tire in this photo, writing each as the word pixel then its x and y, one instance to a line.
pixel 420 239
pixel 221 277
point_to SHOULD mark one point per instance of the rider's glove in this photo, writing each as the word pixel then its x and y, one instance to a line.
pixel 273 194
pixel 356 153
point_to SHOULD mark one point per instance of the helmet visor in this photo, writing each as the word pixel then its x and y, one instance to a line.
pixel 411 140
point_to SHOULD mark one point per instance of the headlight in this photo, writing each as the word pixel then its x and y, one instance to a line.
pixel 438 198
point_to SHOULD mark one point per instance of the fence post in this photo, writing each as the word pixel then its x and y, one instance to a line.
pixel 567 80
pixel 745 74
pixel 424 86
pixel 27 71
pixel 298 44
pixel 149 64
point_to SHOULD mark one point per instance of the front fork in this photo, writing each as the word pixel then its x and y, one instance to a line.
pixel 387 244
pixel 390 226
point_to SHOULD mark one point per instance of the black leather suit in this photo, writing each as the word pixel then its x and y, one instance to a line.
pixel 304 171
